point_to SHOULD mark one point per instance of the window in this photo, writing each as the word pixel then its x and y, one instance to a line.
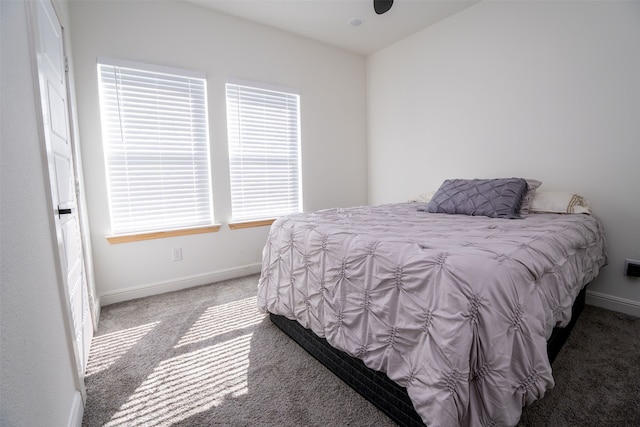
pixel 264 151
pixel 154 127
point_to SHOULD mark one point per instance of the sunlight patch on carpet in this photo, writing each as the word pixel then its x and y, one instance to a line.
pixel 220 319
pixel 187 384
pixel 107 348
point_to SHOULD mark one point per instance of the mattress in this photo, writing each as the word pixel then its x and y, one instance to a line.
pixel 455 309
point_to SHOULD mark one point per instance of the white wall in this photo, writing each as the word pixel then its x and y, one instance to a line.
pixel 36 370
pixel 546 90
pixel 332 84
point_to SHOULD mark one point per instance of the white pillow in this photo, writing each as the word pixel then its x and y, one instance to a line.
pixel 423 197
pixel 559 202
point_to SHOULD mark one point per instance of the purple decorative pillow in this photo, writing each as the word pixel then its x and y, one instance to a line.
pixel 495 198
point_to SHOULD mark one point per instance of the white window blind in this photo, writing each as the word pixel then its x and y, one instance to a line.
pixel 264 151
pixel 154 127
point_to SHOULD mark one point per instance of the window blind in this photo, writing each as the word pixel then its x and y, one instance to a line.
pixel 154 126
pixel 264 151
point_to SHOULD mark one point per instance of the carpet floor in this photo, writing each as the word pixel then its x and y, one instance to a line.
pixel 205 356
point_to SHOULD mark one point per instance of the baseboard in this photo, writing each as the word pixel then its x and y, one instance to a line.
pixel 77 410
pixel 610 302
pixel 177 284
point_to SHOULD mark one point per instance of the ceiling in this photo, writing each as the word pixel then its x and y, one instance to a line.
pixel 328 21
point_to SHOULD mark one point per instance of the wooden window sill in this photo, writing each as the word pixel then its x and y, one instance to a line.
pixel 125 238
pixel 250 224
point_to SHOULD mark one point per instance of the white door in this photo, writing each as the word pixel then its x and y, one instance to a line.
pixel 52 68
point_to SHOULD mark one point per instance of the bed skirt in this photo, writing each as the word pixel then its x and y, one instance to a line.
pixel 375 386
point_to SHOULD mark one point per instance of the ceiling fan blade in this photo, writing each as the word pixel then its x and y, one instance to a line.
pixel 382 6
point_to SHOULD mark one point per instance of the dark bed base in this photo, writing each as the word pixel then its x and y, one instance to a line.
pixel 375 386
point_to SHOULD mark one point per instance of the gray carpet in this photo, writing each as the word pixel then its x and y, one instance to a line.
pixel 206 357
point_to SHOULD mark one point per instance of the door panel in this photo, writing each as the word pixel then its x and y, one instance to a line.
pixel 64 182
pixel 58 117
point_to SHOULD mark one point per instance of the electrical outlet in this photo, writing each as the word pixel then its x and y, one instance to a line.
pixel 631 267
pixel 176 254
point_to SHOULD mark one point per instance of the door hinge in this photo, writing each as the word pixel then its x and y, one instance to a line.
pixel 66 64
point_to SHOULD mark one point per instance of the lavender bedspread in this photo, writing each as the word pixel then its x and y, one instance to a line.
pixel 455 308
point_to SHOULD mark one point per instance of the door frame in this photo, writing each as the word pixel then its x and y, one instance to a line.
pixel 83 217
pixel 63 291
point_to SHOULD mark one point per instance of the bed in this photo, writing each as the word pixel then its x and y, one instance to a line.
pixel 449 315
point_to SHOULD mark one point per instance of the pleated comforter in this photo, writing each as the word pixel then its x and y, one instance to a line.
pixel 455 308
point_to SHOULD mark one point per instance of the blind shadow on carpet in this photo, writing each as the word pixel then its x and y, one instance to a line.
pixel 206 357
